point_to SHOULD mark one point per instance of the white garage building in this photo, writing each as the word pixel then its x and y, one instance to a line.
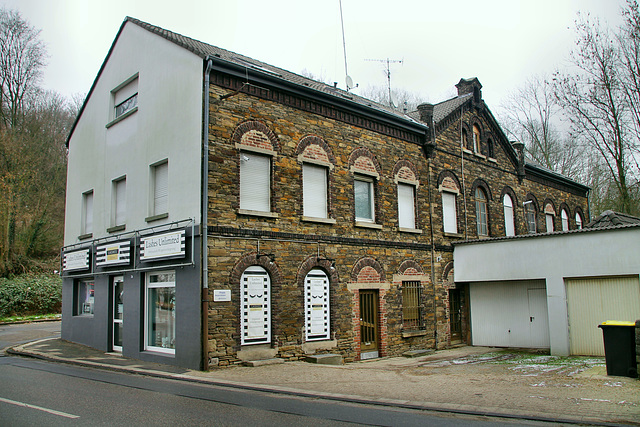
pixel 551 290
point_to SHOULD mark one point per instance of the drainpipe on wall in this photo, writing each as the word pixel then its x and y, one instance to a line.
pixel 204 253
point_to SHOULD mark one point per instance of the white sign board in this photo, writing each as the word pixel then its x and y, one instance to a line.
pixel 76 260
pixel 221 295
pixel 167 245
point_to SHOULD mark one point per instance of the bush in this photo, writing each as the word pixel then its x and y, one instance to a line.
pixel 30 294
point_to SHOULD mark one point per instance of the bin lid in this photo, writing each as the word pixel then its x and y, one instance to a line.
pixel 618 323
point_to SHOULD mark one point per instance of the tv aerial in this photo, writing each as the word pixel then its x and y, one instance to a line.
pixel 387 72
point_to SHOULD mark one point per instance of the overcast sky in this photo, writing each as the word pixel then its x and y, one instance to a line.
pixel 502 42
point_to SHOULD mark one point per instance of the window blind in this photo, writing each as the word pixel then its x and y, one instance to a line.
pixel 509 228
pixel 161 189
pixel 88 213
pixel 255 182
pixel 449 215
pixel 314 189
pixel 406 206
pixel 121 202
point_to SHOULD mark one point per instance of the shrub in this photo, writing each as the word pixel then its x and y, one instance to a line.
pixel 30 294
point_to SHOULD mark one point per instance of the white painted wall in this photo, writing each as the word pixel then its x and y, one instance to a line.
pixel 166 125
pixel 595 253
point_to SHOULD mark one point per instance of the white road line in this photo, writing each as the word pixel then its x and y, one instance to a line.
pixel 39 408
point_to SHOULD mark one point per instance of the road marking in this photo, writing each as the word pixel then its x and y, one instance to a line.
pixel 39 408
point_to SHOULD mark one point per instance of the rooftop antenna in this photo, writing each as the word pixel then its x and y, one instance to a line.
pixel 348 79
pixel 387 72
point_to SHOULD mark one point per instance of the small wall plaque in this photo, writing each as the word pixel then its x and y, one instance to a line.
pixel 221 295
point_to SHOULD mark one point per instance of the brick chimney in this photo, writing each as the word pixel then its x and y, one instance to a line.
pixel 471 85
pixel 426 113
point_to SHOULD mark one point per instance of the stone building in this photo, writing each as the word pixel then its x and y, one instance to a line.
pixel 222 210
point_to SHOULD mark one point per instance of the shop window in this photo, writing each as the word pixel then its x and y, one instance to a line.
pixel 159 191
pixel 255 306
pixel 255 182
pixel 509 223
pixel 406 206
pixel 160 313
pixel 530 214
pixel 314 190
pixel 364 198
pixel 565 220
pixel 449 212
pixel 83 297
pixel 316 306
pixel 481 212
pixel 411 306
pixel 87 214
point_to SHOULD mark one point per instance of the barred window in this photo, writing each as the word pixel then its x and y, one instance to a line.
pixel 411 306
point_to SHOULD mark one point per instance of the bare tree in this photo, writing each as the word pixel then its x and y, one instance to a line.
pixel 22 58
pixel 401 98
pixel 597 103
pixel 531 115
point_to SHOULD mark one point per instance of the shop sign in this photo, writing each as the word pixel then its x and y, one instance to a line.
pixel 76 260
pixel 166 245
pixel 117 253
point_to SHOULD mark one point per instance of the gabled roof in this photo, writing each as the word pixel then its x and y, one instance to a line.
pixel 205 50
pixel 608 219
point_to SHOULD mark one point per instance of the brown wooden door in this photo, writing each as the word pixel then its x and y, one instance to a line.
pixel 368 321
pixel 455 315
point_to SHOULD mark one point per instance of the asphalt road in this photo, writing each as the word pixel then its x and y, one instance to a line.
pixel 43 393
pixel 20 333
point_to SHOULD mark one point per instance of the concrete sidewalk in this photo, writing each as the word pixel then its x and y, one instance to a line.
pixel 468 380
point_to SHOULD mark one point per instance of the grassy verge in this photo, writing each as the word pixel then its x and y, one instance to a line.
pixel 32 318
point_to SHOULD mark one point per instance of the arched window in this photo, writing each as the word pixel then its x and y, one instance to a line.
pixel 316 305
pixel 578 221
pixel 465 140
pixel 549 217
pixel 509 225
pixel 476 139
pixel 565 220
pixel 530 212
pixel 255 306
pixel 481 212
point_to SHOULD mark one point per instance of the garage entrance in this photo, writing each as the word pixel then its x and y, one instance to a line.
pixel 592 301
pixel 509 314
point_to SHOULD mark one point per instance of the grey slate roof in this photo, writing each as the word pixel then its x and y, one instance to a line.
pixel 610 218
pixel 204 50
pixel 442 109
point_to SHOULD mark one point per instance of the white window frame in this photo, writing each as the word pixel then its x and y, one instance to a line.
pixel 119 202
pixel 255 322
pixel 549 222
pixel 255 182
pixel 406 206
pixel 315 191
pixel 564 216
pixel 87 213
pixel 482 214
pixel 370 182
pixel 509 220
pixel 159 191
pixel 317 313
pixel 169 274
pixel 579 221
pixel 449 212
pixel 530 217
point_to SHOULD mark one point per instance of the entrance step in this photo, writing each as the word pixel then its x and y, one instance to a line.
pixel 417 353
pixel 263 362
pixel 324 359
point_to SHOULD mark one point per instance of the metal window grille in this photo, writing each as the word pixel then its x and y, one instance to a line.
pixel 411 305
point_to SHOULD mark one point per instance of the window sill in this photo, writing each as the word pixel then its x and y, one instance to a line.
pixel 464 150
pixel 409 334
pixel 257 213
pixel 157 217
pixel 116 228
pixel 410 230
pixel 122 117
pixel 319 220
pixel 85 236
pixel 491 159
pixel 456 235
pixel 365 224
pixel 482 156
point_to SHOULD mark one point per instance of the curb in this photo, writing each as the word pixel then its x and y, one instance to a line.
pixel 460 409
